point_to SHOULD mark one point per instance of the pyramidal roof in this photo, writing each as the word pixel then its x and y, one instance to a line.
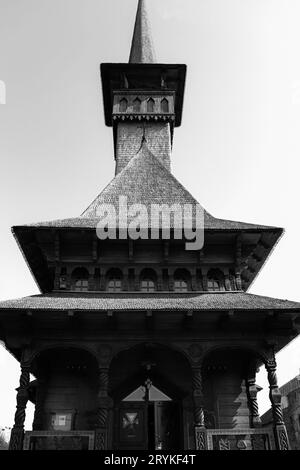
pixel 145 180
pixel 142 49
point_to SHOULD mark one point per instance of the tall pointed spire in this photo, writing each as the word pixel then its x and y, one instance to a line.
pixel 142 49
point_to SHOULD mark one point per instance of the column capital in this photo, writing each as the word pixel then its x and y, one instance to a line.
pixel 271 364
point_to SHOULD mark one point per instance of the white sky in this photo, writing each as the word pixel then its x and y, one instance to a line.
pixel 237 151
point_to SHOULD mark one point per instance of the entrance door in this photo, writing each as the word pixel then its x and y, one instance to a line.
pixel 131 426
pixel 167 426
pixel 147 426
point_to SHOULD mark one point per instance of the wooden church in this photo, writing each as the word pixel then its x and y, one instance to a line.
pixel 142 344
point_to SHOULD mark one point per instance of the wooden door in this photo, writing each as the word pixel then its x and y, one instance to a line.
pixel 131 426
pixel 167 426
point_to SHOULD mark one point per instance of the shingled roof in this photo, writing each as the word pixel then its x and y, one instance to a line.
pixel 102 302
pixel 145 180
pixel 142 49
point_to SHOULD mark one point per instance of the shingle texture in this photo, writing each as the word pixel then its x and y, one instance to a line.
pixel 204 301
pixel 129 138
pixel 142 49
pixel 145 180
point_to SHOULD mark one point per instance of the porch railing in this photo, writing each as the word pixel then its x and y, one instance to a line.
pixel 59 440
pixel 234 439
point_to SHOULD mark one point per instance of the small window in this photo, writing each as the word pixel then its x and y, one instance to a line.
pixel 114 285
pixel 80 280
pixel 165 105
pixel 180 285
pixel 148 280
pixel 182 280
pixel 150 105
pixel 81 285
pixel 212 284
pixel 215 280
pixel 137 105
pixel 148 285
pixel 123 105
pixel 114 280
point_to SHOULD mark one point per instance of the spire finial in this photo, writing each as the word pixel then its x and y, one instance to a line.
pixel 142 50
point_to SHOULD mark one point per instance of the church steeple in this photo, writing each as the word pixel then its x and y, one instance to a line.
pixel 142 48
pixel 142 99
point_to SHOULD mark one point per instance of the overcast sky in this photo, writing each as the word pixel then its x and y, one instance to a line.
pixel 237 150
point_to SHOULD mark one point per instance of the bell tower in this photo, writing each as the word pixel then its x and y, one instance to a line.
pixel 142 99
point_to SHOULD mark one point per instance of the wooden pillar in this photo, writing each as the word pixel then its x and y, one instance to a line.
pixel 281 437
pixel 252 396
pixel 37 424
pixel 160 284
pixel 200 433
pixel 194 283
pixel 227 280
pixel 171 278
pixel 69 278
pixel 238 260
pixel 17 433
pixel 102 279
pixel 204 278
pixel 126 279
pixel 102 411
pixel 57 277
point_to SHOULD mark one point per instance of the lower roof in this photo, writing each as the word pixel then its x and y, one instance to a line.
pixel 157 301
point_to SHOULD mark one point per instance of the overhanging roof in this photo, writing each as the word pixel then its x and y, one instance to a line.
pixel 198 301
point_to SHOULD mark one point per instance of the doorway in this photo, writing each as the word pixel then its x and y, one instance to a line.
pixel 151 422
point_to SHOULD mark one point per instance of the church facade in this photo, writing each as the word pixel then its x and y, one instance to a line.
pixel 141 344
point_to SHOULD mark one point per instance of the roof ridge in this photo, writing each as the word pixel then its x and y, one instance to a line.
pixel 145 152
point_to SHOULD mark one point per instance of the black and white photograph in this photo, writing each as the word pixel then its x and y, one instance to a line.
pixel 149 230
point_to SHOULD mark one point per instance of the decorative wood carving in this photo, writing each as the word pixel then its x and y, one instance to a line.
pixel 200 438
pixel 252 396
pixel 281 437
pixel 17 433
pixel 198 398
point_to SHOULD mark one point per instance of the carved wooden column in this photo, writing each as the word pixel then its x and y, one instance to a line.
pixel 227 280
pixel 37 424
pixel 57 277
pixel 160 283
pixel 204 278
pixel 252 396
pixel 69 280
pixel 171 278
pixel 281 437
pixel 126 279
pixel 136 281
pixel 102 279
pixel 194 280
pixel 102 411
pixel 200 433
pixel 17 433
